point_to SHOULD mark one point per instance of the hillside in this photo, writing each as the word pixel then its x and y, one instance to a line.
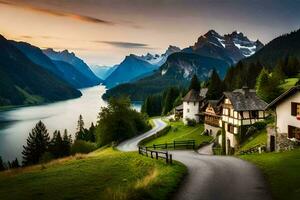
pixel 277 49
pixel 177 71
pixel 62 70
pixel 24 82
pixel 103 174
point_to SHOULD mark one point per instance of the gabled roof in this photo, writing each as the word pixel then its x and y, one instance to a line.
pixel 178 108
pixel 245 100
pixel 283 96
pixel 193 96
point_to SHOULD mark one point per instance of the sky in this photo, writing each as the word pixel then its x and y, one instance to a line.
pixel 103 32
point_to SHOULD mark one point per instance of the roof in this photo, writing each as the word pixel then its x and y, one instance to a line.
pixel 193 96
pixel 283 96
pixel 215 104
pixel 180 107
pixel 245 99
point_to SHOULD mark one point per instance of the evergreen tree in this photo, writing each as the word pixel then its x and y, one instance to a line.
pixel 195 84
pixel 56 145
pixel 80 128
pixel 37 144
pixel 215 87
pixel 278 71
pixel 14 164
pixel 168 99
pixel 267 87
pixel 2 167
pixel 67 142
pixel 91 133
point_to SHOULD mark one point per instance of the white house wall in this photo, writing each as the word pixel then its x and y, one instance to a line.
pixel 284 116
pixel 190 109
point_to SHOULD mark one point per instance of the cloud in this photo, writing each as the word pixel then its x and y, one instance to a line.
pixel 127 45
pixel 73 16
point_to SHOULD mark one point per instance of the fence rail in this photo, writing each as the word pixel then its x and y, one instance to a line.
pixel 187 144
pixel 156 154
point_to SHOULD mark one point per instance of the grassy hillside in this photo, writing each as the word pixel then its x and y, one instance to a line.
pixel 281 171
pixel 259 138
pixel 288 83
pixel 103 174
pixel 181 132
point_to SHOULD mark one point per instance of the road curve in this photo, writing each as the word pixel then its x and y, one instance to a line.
pixel 211 177
pixel 132 144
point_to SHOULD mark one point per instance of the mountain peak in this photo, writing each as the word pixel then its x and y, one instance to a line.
pixel 211 33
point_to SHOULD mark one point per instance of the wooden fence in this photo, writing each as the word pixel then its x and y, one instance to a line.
pixel 182 144
pixel 156 154
pixel 255 149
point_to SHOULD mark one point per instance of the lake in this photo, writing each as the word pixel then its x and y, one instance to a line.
pixel 16 124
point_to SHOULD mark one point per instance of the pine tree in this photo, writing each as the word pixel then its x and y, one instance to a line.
pixel 195 84
pixel 37 144
pixel 2 167
pixel 56 145
pixel 80 129
pixel 215 87
pixel 91 133
pixel 14 164
pixel 67 142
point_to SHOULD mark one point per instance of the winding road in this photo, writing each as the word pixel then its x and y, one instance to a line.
pixel 211 177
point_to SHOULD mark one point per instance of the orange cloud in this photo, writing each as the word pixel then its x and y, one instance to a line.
pixel 77 17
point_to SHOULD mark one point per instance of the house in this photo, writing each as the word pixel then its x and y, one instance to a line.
pixel 240 109
pixel 287 121
pixel 178 112
pixel 193 102
pixel 212 117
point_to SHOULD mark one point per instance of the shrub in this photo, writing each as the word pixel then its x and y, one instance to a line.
pixel 260 125
pixel 191 122
pixel 81 146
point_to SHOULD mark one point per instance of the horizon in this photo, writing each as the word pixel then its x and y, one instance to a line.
pixel 103 33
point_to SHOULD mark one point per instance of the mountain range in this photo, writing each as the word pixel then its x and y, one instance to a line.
pixel 103 71
pixel 133 67
pixel 211 51
pixel 24 82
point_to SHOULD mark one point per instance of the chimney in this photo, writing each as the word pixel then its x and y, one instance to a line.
pixel 245 90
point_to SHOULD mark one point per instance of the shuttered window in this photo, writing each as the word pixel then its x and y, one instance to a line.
pixel 294 108
pixel 293 132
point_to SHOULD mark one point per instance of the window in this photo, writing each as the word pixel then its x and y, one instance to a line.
pixel 295 109
pixel 188 110
pixel 293 132
pixel 230 128
pixel 194 103
pixel 254 114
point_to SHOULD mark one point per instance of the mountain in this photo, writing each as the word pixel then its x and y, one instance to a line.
pixel 277 49
pixel 280 50
pixel 134 67
pixel 103 71
pixel 24 82
pixel 71 58
pixel 62 70
pixel 131 67
pixel 230 47
pixel 177 71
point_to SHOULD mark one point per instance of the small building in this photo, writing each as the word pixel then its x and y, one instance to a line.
pixel 240 109
pixel 193 102
pixel 212 117
pixel 286 131
pixel 178 112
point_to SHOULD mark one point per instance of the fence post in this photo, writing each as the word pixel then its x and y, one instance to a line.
pixel 139 150
pixel 167 157
pixel 154 146
pixel 194 144
pixel 171 160
pixel 151 154
pixel 166 146
pixel 174 144
pixel 156 155
pixel 147 151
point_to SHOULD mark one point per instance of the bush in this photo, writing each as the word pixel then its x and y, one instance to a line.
pixel 191 122
pixel 81 146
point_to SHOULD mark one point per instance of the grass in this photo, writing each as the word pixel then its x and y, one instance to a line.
pixel 179 131
pixel 281 171
pixel 288 83
pixel 103 174
pixel 259 138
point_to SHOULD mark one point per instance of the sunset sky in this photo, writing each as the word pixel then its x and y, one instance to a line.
pixel 104 31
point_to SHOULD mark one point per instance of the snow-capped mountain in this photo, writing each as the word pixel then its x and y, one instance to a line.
pixel 134 67
pixel 230 47
pixel 158 60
